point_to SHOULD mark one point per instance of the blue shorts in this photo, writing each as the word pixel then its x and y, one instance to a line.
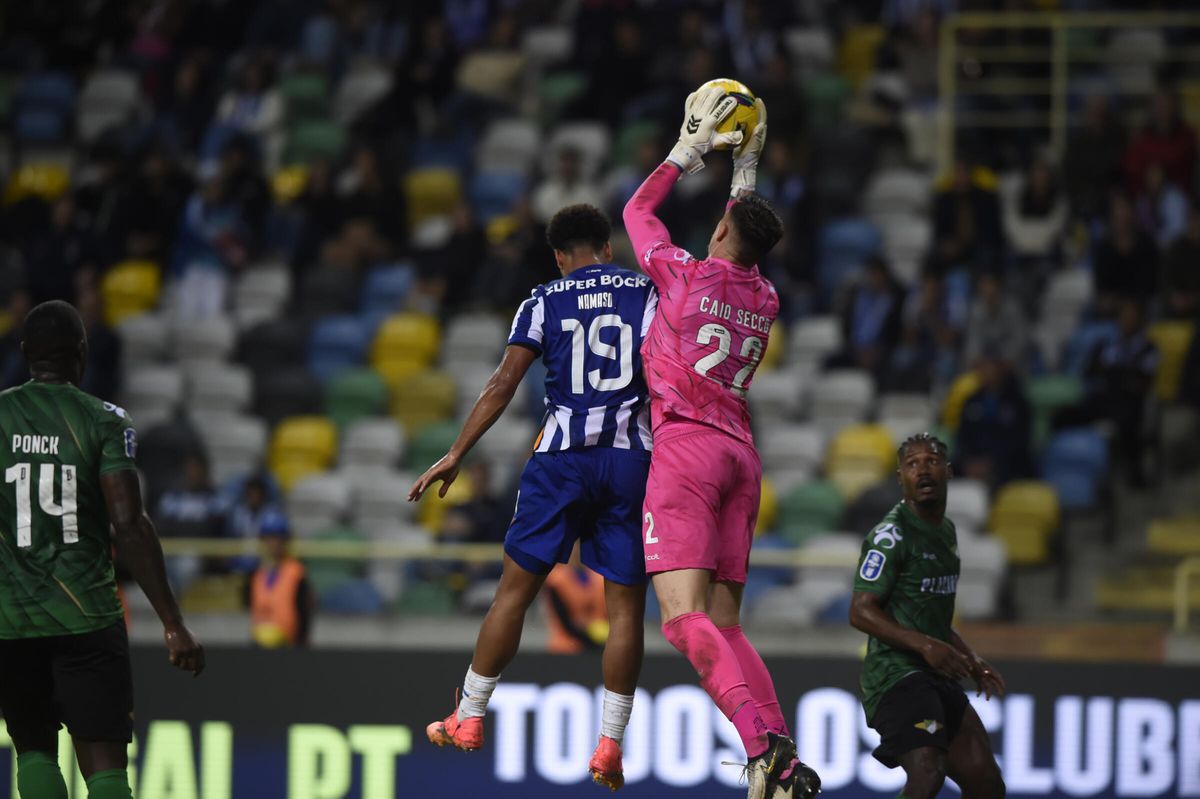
pixel 593 495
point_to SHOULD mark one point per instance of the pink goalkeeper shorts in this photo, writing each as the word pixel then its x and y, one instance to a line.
pixel 701 502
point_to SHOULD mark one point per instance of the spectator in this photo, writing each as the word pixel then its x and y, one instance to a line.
pixel 14 370
pixel 1125 261
pixel 1162 209
pixel 278 593
pixel 1092 161
pixel 1035 215
pixel 157 196
pixel 187 110
pixel 567 186
pixel 245 518
pixel 212 240
pixel 482 519
pixel 575 610
pixel 966 221
pixel 917 52
pixel 255 107
pixel 1167 141
pixel 102 377
pixel 368 194
pixel 785 103
pixel 933 324
pixel 871 318
pixel 189 510
pixel 59 253
pixel 996 426
pixel 100 197
pixel 995 324
pixel 754 41
pixel 1181 275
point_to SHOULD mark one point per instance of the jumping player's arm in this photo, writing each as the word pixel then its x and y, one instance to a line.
pixel 141 552
pixel 880 565
pixel 987 680
pixel 499 391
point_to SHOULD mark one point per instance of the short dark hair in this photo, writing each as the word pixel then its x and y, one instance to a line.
pixel 580 225
pixel 758 228
pixel 926 439
pixel 53 333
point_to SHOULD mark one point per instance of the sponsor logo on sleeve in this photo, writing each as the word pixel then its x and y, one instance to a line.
pixel 872 565
pixel 886 536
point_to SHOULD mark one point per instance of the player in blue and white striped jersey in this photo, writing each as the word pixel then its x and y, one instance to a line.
pixel 586 479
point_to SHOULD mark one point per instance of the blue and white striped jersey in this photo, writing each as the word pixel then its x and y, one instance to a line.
pixel 588 328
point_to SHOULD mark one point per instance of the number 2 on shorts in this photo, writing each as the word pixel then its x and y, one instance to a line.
pixel 651 538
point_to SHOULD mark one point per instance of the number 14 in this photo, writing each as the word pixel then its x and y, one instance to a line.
pixel 21 474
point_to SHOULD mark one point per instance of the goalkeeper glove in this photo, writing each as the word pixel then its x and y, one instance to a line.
pixel 745 158
pixel 703 111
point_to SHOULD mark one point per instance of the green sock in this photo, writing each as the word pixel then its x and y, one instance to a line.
pixel 111 784
pixel 38 776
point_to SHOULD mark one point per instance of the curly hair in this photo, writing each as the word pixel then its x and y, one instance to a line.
pixel 580 225
pixel 758 228
pixel 927 439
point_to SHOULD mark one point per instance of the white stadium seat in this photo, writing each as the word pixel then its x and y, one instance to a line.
pixel 373 441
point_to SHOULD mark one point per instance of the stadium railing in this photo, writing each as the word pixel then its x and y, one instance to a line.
pixel 1184 573
pixel 1073 41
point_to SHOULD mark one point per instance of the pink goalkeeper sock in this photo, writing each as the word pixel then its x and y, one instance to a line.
pixel 706 649
pixel 758 679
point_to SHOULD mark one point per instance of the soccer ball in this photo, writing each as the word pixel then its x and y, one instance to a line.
pixel 744 116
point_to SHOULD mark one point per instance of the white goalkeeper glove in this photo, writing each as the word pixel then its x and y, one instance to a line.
pixel 745 158
pixel 703 111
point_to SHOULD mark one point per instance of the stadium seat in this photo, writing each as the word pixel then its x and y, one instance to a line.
pixel 353 394
pixel 1082 342
pixel 301 446
pixel 109 98
pixel 897 405
pixel 474 338
pixel 1067 294
pixel 967 503
pixel 1179 536
pixel 906 241
pixel 364 86
pixel 825 95
pixel 43 105
pixel 858 52
pixel 328 575
pixel 204 340
pixel 427 599
pixel 431 510
pixel 1172 338
pixel 1050 393
pixel 493 193
pixel 372 441
pixel 406 337
pixel 130 288
pixel 326 291
pixel 1082 450
pixel 960 391
pixel 353 597
pixel 590 139
pixel 511 437
pixel 261 293
pixel 791 453
pixel 337 344
pixel 810 509
pixel 153 386
pixel 556 91
pixel 631 136
pixel 219 387
pixel 143 340
pixel 867 444
pixel 286 392
pixel 423 398
pixel 429 444
pixel 813 339
pixel 49 181
pixel 305 96
pixel 768 508
pixel 1024 516
pixel 235 447
pixel 386 288
pixel 431 192
pixel 272 345
pixel 509 144
pixel 896 191
pixel 381 498
pixel 811 49
pixel 315 140
pixel 842 247
pixel 317 503
pixel 842 394
pixel 778 395
pixel 984 564
pixel 547 44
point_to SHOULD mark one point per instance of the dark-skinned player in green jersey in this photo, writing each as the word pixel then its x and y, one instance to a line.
pixel 904 600
pixel 68 464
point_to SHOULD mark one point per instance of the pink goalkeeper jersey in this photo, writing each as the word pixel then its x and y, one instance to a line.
pixel 711 328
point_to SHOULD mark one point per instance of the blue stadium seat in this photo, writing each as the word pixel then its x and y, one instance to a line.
pixel 451 152
pixel 493 193
pixel 386 288
pixel 1083 451
pixel 1082 342
pixel 50 91
pixel 352 597
pixel 318 41
pixel 40 126
pixel 1076 490
pixel 337 343
pixel 842 246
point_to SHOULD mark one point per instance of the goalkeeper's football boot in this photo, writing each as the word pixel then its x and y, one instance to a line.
pixel 605 765
pixel 466 735
pixel 763 772
pixel 801 783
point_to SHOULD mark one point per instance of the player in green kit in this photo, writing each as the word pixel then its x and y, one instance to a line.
pixel 904 600
pixel 68 465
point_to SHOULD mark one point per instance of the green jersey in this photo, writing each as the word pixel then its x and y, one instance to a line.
pixel 913 566
pixel 56 570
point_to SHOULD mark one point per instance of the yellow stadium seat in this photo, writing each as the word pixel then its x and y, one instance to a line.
pixel 48 181
pixel 130 288
pixel 768 507
pixel 431 192
pixel 396 371
pixel 961 390
pixel 1178 536
pixel 776 347
pixel 868 445
pixel 304 439
pixel 851 479
pixel 424 398
pixel 1173 340
pixel 432 510
pixel 407 337
pixel 289 472
pixel 857 55
pixel 1024 515
pixel 289 182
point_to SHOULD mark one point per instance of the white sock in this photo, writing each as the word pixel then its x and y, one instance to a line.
pixel 477 692
pixel 615 716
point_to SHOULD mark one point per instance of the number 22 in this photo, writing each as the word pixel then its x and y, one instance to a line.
pixel 752 349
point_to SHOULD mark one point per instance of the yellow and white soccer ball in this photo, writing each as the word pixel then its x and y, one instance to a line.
pixel 744 116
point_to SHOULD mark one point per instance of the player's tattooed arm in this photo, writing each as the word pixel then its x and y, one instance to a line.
pixel 139 549
pixel 987 679
pixel 495 397
pixel 868 614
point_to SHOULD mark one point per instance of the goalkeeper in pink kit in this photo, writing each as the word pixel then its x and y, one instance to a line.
pixel 710 332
